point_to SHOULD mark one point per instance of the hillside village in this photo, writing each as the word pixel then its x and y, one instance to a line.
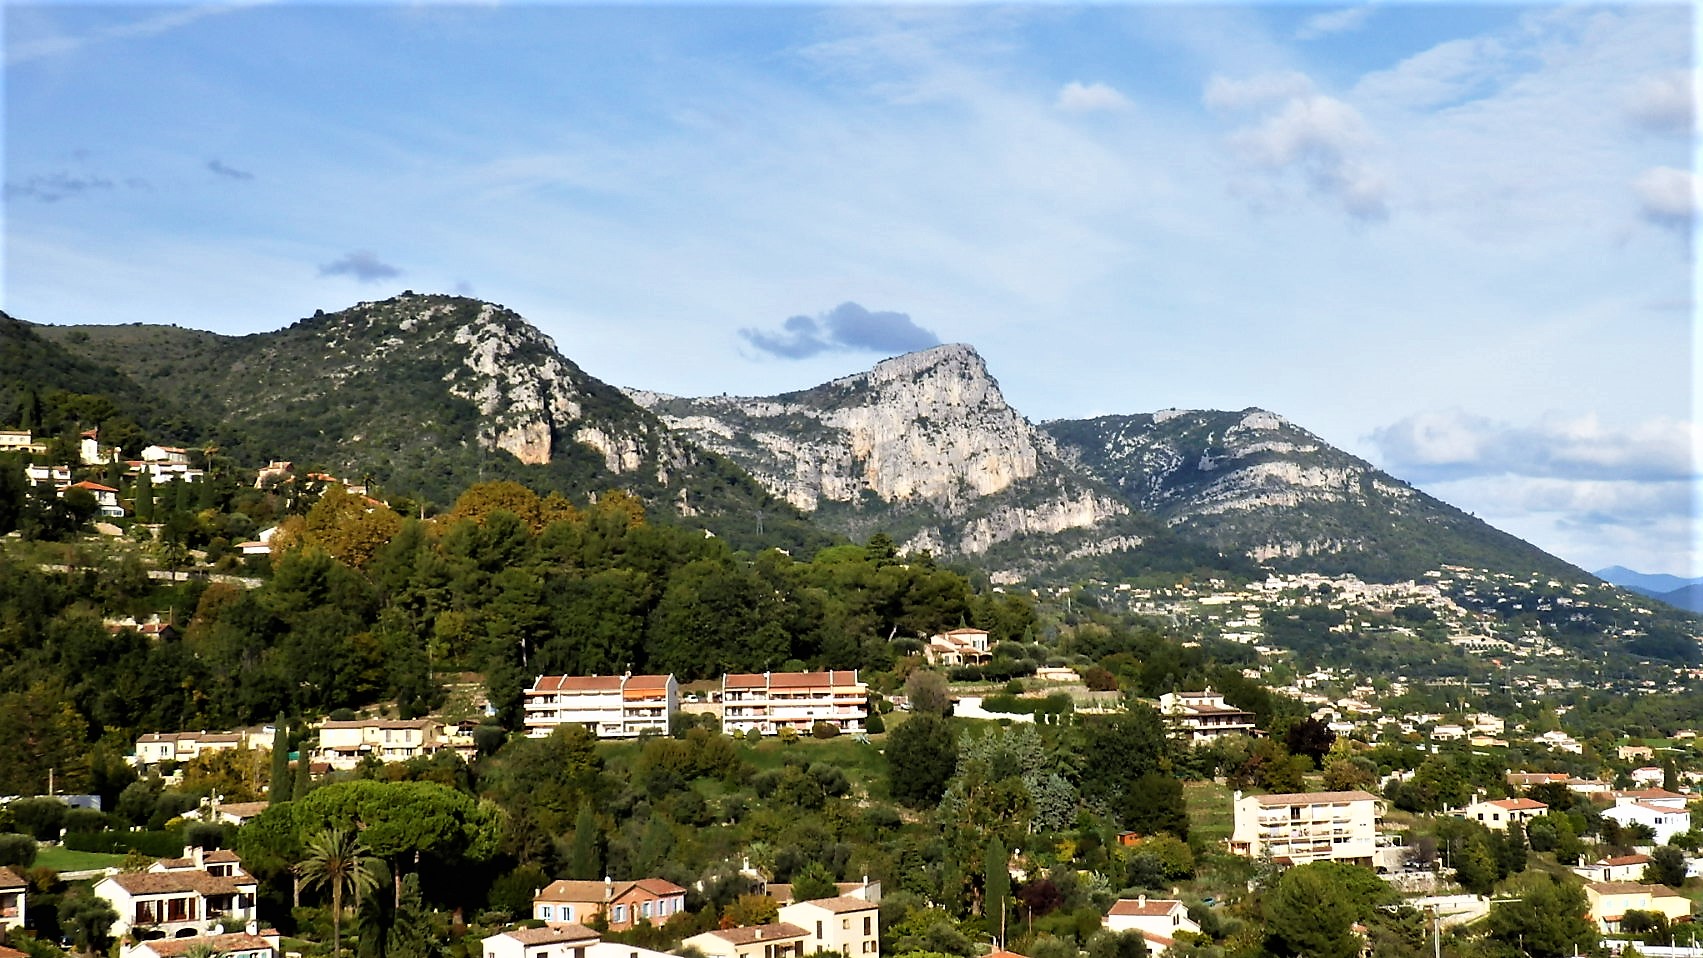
pixel 1182 767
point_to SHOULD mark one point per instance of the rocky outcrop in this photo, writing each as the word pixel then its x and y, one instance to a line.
pixel 926 432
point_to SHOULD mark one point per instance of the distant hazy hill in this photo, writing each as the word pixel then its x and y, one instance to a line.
pixel 1680 593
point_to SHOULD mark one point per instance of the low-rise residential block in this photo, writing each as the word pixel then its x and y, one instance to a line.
pixel 608 706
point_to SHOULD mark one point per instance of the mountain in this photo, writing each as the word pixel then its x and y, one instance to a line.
pixel 1680 593
pixel 1253 483
pixel 923 447
pixel 1654 585
pixel 427 394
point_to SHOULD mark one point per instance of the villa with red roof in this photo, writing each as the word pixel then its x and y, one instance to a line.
pixel 609 706
pixel 771 701
pixel 649 901
pixel 958 647
pixel 1498 813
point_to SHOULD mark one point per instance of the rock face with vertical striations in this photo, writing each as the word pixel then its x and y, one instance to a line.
pixel 924 442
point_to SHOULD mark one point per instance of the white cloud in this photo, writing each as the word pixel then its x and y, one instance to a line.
pixel 1444 74
pixel 36 48
pixel 1321 138
pixel 1090 98
pixel 1453 444
pixel 1224 93
pixel 1667 195
pixel 1345 20
pixel 1663 102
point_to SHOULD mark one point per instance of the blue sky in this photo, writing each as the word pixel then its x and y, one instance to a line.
pixel 1456 240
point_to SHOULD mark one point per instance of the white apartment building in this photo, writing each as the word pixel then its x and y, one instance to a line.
pixel 845 925
pixel 609 706
pixel 156 747
pixel 1665 813
pixel 771 701
pixel 1302 827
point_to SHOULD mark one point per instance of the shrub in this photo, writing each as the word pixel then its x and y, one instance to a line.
pixel 17 850
pixel 824 730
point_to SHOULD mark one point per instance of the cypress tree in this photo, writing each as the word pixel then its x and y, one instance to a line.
pixel 304 779
pixel 280 783
pixel 996 888
pixel 585 862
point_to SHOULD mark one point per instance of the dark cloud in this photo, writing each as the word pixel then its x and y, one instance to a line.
pixel 362 264
pixel 53 187
pixel 846 328
pixel 229 172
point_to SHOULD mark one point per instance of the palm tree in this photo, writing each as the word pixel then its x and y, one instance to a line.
pixel 337 860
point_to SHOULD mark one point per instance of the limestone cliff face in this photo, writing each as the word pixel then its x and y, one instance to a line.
pixel 529 398
pixel 928 432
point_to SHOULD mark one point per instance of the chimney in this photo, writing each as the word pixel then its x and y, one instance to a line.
pixel 200 857
pixel 253 927
pixel 608 888
pixel 758 932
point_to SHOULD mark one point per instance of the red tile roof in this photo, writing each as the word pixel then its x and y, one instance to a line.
pixel 841 904
pixel 10 879
pixel 1151 907
pixel 1316 798
pixel 220 944
pixel 552 934
pixel 779 931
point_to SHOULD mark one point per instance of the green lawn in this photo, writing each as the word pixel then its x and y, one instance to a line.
pixel 1210 813
pixel 66 860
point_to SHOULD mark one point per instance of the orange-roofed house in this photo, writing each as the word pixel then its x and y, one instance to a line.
pixel 771 701
pixel 106 497
pixel 1159 920
pixel 623 904
pixel 1609 902
pixel 1497 814
pixel 843 925
pixel 776 940
pixel 609 706
pixel 259 943
pixel 958 647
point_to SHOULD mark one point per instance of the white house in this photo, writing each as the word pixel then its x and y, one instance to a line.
pixel 1497 814
pixel 776 940
pixel 255 943
pixel 12 889
pixel 181 897
pixel 552 941
pixel 1159 920
pixel 844 925
pixel 1622 868
pixel 343 745
pixel 1201 717
pixel 1666 817
pixel 106 497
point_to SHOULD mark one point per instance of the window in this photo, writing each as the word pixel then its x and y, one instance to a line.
pixel 818 931
pixel 845 924
pixel 546 912
pixel 567 913
pixel 620 913
pixel 866 923
pixel 646 908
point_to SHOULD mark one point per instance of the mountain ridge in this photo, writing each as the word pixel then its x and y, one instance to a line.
pixel 432 391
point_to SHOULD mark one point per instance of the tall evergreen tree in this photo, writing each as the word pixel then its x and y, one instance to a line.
pixel 585 860
pixel 280 785
pixel 996 886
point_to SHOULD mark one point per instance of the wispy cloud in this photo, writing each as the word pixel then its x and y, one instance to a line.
pixel 53 187
pixel 29 49
pixel 1259 90
pixel 230 172
pixel 1453 444
pixel 1331 22
pixel 846 328
pixel 1090 98
pixel 363 265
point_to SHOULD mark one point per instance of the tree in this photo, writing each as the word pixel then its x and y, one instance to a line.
pixel 813 881
pixel 1154 803
pixel 280 783
pixel 585 861
pixel 87 920
pixel 1312 910
pixel 1667 867
pixel 996 884
pixel 1310 737
pixel 921 756
pixel 338 862
pixel 1546 921
pixel 17 850
pixel 926 692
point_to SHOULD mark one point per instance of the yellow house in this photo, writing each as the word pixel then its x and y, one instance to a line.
pixel 1611 900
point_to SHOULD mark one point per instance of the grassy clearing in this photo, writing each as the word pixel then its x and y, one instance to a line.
pixel 65 860
pixel 1211 815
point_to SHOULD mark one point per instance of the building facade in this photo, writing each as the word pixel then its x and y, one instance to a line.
pixel 650 901
pixel 845 926
pixel 771 701
pixel 609 706
pixel 1302 827
pixel 1201 717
